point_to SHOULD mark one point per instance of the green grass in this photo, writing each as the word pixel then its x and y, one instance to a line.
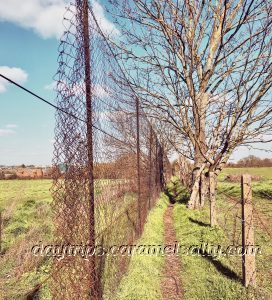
pixel 204 277
pixel 262 188
pixel 176 192
pixel 27 219
pixel 265 172
pixel 229 218
pixel 262 205
pixel 143 278
pixel 27 213
pixel 26 206
pixel 220 277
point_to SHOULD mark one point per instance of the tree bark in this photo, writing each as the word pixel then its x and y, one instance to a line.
pixel 212 193
pixel 204 188
pixel 195 197
pixel 200 148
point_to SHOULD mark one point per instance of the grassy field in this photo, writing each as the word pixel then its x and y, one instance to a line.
pixel 261 189
pixel 25 205
pixel 264 172
pixel 27 219
pixel 228 193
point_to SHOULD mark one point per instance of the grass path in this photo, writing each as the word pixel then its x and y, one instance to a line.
pixel 171 286
pixel 193 276
pixel 142 280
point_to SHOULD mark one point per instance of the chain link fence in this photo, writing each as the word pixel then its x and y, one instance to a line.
pixel 109 166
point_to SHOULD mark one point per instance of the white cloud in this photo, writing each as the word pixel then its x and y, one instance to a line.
pixel 101 91
pixel 105 25
pixel 16 74
pixel 5 132
pixel 45 17
pixel 42 16
pixel 79 89
pixel 51 86
pixel 11 126
pixel 8 130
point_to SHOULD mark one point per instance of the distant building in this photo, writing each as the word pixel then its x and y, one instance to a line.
pixel 26 173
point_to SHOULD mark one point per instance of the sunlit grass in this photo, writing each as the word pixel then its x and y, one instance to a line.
pixel 28 219
pixel 265 172
pixel 143 278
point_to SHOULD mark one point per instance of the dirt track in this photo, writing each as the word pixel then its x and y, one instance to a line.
pixel 171 286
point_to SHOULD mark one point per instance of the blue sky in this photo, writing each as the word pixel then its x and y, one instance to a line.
pixel 29 34
pixel 27 124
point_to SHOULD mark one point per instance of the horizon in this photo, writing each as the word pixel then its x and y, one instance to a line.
pixel 50 165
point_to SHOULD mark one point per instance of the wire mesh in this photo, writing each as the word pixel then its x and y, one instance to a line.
pixel 256 228
pixel 109 165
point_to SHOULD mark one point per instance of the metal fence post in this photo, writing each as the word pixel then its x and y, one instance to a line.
pixel 89 115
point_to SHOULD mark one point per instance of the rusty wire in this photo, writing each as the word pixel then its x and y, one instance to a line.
pixel 231 223
pixel 109 164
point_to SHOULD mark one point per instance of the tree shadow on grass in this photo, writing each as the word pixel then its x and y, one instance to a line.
pixel 199 222
pixel 224 270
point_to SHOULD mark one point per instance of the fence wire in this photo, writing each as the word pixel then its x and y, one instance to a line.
pixel 109 165
pixel 231 220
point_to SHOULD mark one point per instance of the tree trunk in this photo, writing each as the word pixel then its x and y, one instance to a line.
pixel 184 172
pixel 199 167
pixel 200 148
pixel 195 191
pixel 212 193
pixel 204 189
pixel 195 198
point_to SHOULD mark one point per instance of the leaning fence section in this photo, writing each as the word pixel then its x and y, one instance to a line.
pixel 109 164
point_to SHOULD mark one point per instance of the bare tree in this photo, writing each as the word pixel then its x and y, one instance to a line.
pixel 204 67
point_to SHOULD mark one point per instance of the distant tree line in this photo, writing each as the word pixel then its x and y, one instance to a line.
pixel 252 161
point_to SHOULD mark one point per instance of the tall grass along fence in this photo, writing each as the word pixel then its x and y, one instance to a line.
pixel 110 165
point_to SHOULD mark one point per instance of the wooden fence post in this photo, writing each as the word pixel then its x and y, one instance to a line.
pixel 213 221
pixel 248 255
